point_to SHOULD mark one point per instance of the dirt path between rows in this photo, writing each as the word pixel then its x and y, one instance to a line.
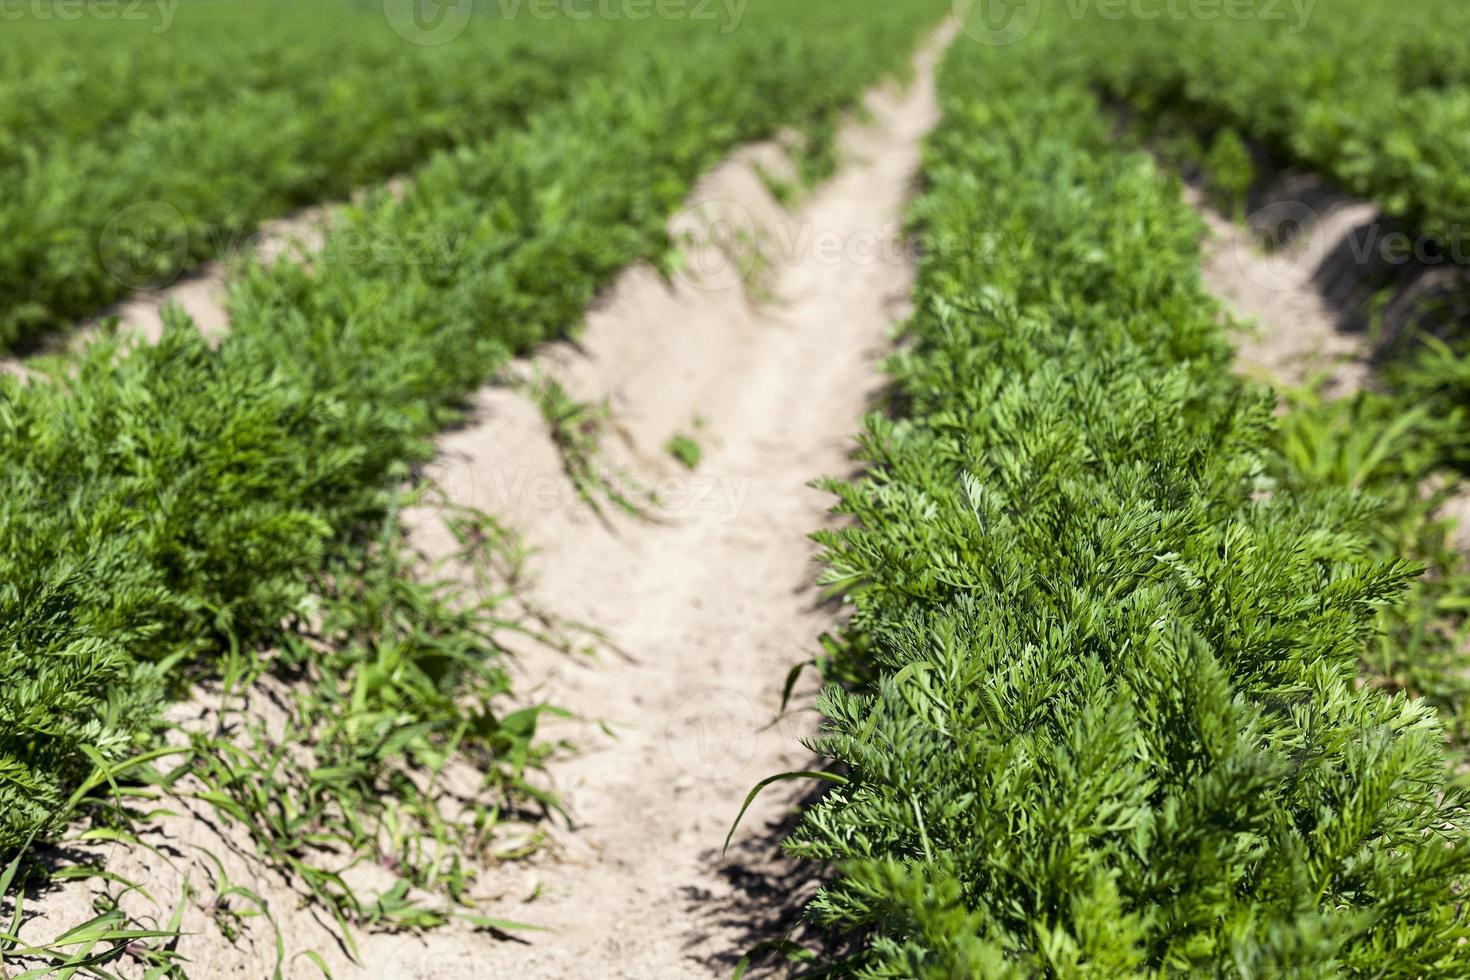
pixel 767 356
pixel 710 607
pixel 1297 335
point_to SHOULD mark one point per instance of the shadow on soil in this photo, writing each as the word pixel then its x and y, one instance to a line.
pixel 764 910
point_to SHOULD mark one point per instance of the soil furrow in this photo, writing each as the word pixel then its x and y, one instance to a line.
pixel 770 362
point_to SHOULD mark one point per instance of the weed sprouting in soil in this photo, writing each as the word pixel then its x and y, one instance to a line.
pixel 579 430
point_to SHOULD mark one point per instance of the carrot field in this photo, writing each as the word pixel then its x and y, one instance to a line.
pixel 660 489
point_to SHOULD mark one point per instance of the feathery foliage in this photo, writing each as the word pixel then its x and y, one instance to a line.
pixel 1115 726
pixel 162 506
pixel 1373 95
pixel 173 144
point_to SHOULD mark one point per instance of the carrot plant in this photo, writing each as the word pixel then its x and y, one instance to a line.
pixel 1112 723
pixel 173 146
pixel 180 515
pixel 1372 95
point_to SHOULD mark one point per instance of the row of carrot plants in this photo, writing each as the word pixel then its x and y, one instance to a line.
pixel 1108 718
pixel 1371 98
pixel 1372 95
pixel 169 512
pixel 131 153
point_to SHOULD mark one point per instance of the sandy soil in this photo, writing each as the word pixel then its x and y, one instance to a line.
pixel 1299 334
pixel 712 606
pixel 768 356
